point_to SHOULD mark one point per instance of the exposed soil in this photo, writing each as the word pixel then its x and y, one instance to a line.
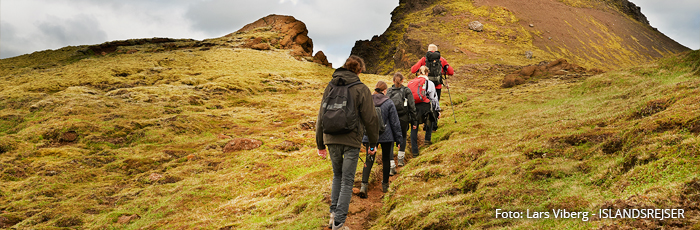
pixel 596 35
pixel 571 27
pixel 363 212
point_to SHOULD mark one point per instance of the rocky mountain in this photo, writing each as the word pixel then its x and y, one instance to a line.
pixel 594 34
pixel 287 33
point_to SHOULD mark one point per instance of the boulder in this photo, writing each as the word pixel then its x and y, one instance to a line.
pixel 476 26
pixel 238 144
pixel 261 46
pixel 528 71
pixel 293 32
pixel 321 58
pixel 439 10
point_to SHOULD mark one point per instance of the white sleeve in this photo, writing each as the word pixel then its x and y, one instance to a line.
pixel 432 94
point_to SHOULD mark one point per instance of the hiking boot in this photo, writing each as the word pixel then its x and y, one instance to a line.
pixel 330 223
pixel 402 155
pixel 427 143
pixel 363 190
pixel 415 155
pixel 340 227
pixel 385 187
pixel 392 172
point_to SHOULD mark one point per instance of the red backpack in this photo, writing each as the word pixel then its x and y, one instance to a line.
pixel 419 88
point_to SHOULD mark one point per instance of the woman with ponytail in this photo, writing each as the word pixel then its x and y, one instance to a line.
pixel 405 107
pixel 391 135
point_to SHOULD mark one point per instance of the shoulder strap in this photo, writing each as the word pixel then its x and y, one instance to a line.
pixel 354 83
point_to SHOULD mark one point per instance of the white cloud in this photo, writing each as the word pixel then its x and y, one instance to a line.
pixel 293 1
pixel 678 19
pixel 33 25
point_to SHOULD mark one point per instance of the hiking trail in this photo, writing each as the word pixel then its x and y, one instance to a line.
pixel 364 212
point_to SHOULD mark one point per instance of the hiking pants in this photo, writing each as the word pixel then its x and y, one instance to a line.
pixel 387 150
pixel 423 112
pixel 414 137
pixel 344 161
pixel 405 125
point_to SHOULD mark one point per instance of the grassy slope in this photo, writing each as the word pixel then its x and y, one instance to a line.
pixel 624 137
pixel 143 113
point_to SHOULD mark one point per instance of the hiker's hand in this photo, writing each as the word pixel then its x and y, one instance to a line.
pixel 415 127
pixel 372 150
pixel 439 115
pixel 323 153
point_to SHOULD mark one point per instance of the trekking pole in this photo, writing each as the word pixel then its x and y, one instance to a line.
pixel 453 106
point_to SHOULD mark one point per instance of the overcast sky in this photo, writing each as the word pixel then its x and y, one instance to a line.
pixel 334 25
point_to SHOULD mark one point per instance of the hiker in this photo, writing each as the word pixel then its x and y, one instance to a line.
pixel 436 71
pixel 406 109
pixel 426 102
pixel 438 66
pixel 391 135
pixel 346 112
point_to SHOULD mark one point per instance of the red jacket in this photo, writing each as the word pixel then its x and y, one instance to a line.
pixel 421 62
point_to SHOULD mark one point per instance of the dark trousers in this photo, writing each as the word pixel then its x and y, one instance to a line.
pixel 423 112
pixel 387 154
pixel 405 125
pixel 414 137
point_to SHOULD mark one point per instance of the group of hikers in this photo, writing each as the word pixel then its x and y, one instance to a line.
pixel 350 116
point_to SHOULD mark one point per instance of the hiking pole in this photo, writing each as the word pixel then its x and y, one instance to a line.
pixel 453 106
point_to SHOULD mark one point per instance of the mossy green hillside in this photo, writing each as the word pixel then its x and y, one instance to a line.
pixel 626 137
pixel 80 139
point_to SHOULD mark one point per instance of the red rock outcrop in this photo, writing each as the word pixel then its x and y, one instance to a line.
pixel 295 35
pixel 321 58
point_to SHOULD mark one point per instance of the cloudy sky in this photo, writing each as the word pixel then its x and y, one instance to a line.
pixel 334 25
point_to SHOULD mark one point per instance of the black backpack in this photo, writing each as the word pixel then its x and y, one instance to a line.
pixel 340 114
pixel 380 122
pixel 432 61
pixel 400 101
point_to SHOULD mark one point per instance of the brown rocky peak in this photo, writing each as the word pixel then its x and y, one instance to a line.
pixel 293 33
pixel 321 58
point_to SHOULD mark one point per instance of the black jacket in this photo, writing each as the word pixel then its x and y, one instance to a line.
pixel 392 133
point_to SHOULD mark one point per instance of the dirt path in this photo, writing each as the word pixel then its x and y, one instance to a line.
pixel 363 212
